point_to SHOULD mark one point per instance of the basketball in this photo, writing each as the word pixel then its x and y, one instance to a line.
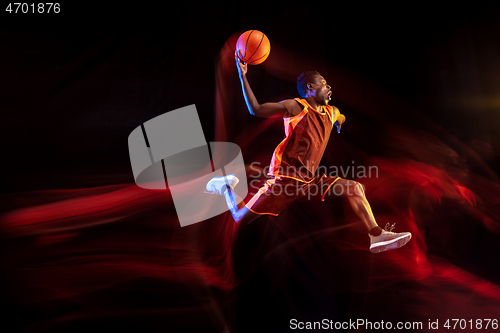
pixel 253 47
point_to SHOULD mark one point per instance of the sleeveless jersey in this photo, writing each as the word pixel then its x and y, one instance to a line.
pixel 306 136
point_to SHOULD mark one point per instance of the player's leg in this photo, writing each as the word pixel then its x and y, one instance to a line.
pixel 355 193
pixel 225 186
pixel 380 239
pixel 241 214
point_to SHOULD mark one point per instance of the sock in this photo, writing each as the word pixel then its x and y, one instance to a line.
pixel 375 231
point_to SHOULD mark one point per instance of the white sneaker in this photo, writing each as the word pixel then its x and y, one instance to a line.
pixel 388 240
pixel 217 185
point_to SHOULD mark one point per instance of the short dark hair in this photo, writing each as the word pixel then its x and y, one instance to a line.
pixel 303 80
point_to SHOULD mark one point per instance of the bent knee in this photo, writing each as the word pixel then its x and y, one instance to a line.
pixel 357 189
pixel 244 216
pixel 238 217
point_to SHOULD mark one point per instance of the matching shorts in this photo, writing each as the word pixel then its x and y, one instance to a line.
pixel 277 193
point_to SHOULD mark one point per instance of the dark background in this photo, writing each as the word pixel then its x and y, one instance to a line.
pixel 75 84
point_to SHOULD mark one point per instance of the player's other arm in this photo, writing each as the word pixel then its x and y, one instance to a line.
pixel 339 119
pixel 265 110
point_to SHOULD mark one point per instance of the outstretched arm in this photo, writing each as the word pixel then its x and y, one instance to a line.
pixel 260 110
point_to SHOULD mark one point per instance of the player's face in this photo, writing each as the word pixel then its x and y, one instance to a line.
pixel 321 90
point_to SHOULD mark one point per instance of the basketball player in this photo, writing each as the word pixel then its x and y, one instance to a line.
pixel 308 123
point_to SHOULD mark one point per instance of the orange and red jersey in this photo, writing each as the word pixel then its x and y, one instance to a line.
pixel 299 154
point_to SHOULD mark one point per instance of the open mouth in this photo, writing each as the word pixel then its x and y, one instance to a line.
pixel 329 95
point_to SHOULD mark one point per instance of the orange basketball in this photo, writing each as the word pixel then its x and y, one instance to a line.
pixel 253 47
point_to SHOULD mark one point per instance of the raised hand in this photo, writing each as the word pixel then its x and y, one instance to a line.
pixel 242 67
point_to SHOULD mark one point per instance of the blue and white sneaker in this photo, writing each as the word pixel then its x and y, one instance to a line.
pixel 217 185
